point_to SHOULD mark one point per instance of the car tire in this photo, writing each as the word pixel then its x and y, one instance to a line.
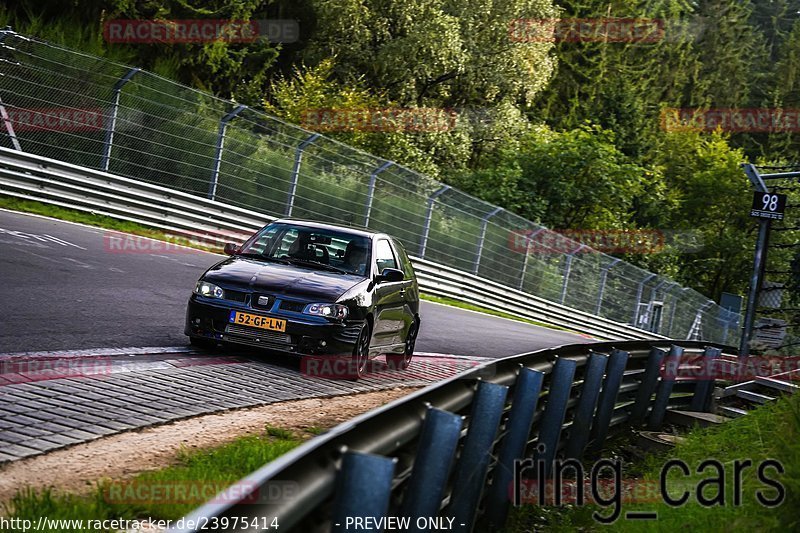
pixel 360 359
pixel 401 361
pixel 200 342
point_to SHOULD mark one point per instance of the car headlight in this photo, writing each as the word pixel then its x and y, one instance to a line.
pixel 337 311
pixel 209 290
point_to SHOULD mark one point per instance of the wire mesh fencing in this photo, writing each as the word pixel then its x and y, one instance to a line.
pixel 89 111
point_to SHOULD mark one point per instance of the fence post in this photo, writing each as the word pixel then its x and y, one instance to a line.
pixel 590 391
pixel 371 191
pixel 603 278
pixel 675 308
pixel 482 238
pixel 696 330
pixel 673 361
pixel 518 427
pixel 639 292
pixel 363 488
pixel 298 157
pixel 528 240
pixel 3 113
pixel 9 126
pixel 111 122
pixel 554 412
pixel 615 369
pixel 470 475
pixel 426 230
pixel 223 125
pixel 567 271
pixel 436 450
pixel 648 385
pixel 703 388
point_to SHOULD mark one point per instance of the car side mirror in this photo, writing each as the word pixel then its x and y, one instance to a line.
pixel 230 248
pixel 390 275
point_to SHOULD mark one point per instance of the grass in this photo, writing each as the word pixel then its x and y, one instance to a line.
pixel 102 221
pixel 769 432
pixel 471 307
pixel 168 493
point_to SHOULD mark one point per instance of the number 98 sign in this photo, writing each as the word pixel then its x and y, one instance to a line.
pixel 768 205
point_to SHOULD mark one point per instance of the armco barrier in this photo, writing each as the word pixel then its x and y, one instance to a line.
pixel 39 178
pixel 449 451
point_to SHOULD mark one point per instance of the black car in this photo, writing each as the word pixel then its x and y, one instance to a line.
pixel 311 289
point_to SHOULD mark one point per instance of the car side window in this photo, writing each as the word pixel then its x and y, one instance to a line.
pixel 405 262
pixel 384 256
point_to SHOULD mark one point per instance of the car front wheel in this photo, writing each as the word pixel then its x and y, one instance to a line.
pixel 360 359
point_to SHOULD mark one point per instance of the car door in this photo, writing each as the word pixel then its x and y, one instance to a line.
pixel 389 298
pixel 409 291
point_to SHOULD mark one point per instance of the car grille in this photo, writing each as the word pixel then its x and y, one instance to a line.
pixel 288 305
pixel 270 300
pixel 235 296
pixel 263 335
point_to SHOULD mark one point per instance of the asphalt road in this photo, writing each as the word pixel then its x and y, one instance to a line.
pixel 67 286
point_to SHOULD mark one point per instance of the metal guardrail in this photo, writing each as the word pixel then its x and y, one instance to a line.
pixel 34 177
pixel 450 449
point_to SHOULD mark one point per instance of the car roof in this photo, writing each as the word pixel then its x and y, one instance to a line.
pixel 355 230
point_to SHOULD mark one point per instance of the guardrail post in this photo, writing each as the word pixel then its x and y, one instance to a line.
pixel 602 288
pixel 554 412
pixel 664 391
pixel 470 475
pixel 639 292
pixel 582 420
pixel 518 427
pixel 363 488
pixel 567 271
pixel 298 158
pixel 111 121
pixel 371 191
pixel 647 386
pixel 428 215
pixel 703 388
pixel 223 125
pixel 615 369
pixel 482 238
pixel 528 239
pixel 435 453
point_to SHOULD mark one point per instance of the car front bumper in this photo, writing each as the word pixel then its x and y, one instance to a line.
pixel 304 335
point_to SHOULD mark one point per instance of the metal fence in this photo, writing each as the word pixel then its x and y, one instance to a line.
pixel 449 451
pixel 92 112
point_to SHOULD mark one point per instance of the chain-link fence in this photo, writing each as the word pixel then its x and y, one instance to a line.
pixel 96 113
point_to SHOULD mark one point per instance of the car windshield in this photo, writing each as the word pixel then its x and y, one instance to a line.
pixel 317 248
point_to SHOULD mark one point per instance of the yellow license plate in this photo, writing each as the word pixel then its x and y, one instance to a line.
pixel 257 321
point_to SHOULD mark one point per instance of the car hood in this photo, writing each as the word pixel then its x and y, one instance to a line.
pixel 282 280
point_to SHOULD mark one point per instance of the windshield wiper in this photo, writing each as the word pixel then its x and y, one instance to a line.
pixel 306 262
pixel 263 258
